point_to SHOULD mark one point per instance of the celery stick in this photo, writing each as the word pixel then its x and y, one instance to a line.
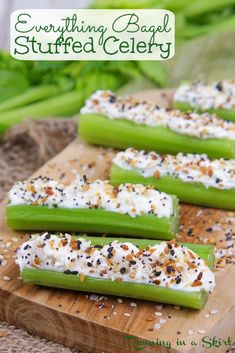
pixel 222 113
pixel 26 217
pixel 29 96
pixel 192 193
pixel 155 293
pixel 100 130
pixel 63 105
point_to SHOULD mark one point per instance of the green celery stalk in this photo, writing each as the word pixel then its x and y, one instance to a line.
pixel 62 105
pixel 100 130
pixel 192 193
pixel 205 251
pixel 26 217
pixel 226 114
pixel 29 96
pixel 194 300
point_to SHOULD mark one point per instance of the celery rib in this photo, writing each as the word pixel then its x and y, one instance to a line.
pixel 194 299
pixel 31 95
pixel 226 114
pixel 100 130
pixel 62 105
pixel 154 293
pixel 192 193
pixel 26 217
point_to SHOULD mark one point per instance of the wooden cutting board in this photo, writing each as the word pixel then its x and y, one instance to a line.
pixel 99 324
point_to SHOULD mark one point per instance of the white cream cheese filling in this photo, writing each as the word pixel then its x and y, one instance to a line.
pixel 215 95
pixel 190 168
pixel 131 199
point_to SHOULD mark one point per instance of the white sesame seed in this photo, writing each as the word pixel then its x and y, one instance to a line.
pixel 190 332
pixel 201 332
pixel 162 321
pixel 14 239
pixel 158 314
pixel 198 214
pixel 8 244
pixel 133 304
pixel 6 278
pixel 213 312
pixel 94 297
pixel 114 313
pixel 157 326
pixel 119 300
pixel 206 316
pixel 127 314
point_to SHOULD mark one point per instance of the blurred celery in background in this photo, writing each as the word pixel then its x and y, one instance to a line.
pixel 205 32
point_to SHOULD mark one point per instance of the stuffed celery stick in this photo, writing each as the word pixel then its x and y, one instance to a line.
pixel 96 207
pixel 194 179
pixel 123 122
pixel 166 272
pixel 216 97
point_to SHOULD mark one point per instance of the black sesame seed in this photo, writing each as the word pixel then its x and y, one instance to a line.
pixel 112 99
pixel 97 246
pixel 67 272
pixel 158 273
pixel 170 269
pixel 190 231
pixel 133 262
pixel 122 270
pixel 219 86
pixel 178 280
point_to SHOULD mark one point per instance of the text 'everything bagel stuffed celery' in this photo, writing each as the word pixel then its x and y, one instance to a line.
pixel 192 178
pixel 95 207
pixel 165 272
pixel 217 97
pixel 122 122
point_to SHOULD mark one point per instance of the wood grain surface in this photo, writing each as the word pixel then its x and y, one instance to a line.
pixel 100 324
